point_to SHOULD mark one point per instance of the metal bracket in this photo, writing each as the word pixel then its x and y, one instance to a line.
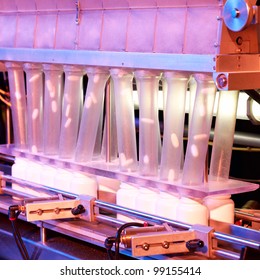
pixel 198 239
pixel 60 209
pixel 237 80
pixel 161 243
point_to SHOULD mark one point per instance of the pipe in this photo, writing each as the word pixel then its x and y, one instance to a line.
pixel 226 254
pixel 172 148
pixel 71 109
pixel 231 238
pixel 52 113
pixel 126 135
pixel 34 85
pixel 93 106
pixel 193 169
pixel 223 135
pixel 110 206
pixel 148 83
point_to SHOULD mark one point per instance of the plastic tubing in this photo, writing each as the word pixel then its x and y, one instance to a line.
pixel 92 109
pixel 71 110
pixel 52 108
pixel 18 101
pixel 125 120
pixel 223 135
pixel 148 83
pixel 34 85
pixel 197 146
pixel 172 148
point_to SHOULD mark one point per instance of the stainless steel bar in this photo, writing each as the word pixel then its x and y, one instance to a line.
pixel 12 192
pixel 247 216
pixel 240 138
pixel 244 139
pixel 236 240
pixel 226 254
pixel 117 208
pixel 136 60
pixel 108 220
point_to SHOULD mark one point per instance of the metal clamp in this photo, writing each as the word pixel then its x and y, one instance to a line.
pixel 158 240
pixel 60 209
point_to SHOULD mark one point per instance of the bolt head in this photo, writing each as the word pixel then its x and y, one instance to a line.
pixel 146 246
pixel 222 81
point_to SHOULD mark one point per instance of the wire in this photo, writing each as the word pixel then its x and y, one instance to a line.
pixel 118 235
pixel 108 245
pixel 19 241
pixel 14 212
pixel 4 92
pixel 116 239
pixel 7 103
pixel 3 95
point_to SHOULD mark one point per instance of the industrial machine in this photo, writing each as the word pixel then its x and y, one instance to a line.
pixel 120 121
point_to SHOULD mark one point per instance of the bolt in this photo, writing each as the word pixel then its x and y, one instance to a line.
pixel 239 41
pixel 146 246
pixel 165 244
pixel 39 212
pixel 57 211
pixel 222 81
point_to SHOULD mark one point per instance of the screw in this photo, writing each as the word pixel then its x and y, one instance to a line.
pixel 39 212
pixel 146 246
pixel 222 81
pixel 57 211
pixel 165 244
pixel 239 41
